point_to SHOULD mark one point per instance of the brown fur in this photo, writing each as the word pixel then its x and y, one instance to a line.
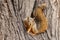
pixel 30 22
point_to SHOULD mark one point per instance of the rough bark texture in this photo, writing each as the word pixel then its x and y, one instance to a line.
pixel 12 12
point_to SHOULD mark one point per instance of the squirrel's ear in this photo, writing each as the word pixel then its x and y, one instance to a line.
pixel 27 18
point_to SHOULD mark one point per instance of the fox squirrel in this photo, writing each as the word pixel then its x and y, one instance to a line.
pixel 31 25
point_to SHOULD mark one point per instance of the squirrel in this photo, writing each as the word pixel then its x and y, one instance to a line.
pixel 31 25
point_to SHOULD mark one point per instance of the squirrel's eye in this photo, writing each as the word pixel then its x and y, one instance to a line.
pixel 30 23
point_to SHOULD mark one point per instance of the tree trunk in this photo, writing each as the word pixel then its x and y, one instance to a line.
pixel 12 12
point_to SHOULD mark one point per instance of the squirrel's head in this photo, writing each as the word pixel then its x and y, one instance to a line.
pixel 28 22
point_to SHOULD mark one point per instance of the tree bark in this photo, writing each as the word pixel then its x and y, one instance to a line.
pixel 12 12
